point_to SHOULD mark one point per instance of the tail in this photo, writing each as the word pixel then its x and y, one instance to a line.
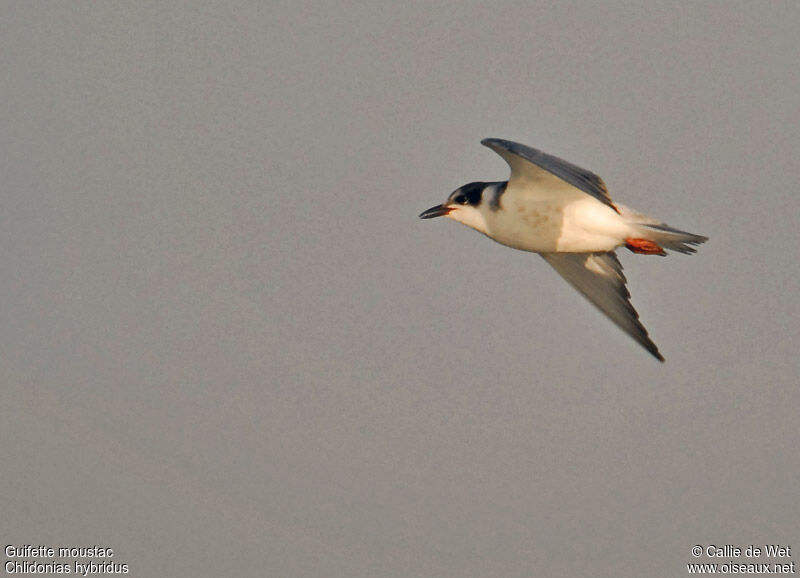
pixel 654 231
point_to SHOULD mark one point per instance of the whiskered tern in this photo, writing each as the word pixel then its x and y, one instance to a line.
pixel 564 213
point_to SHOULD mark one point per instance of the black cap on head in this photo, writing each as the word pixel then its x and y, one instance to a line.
pixel 469 194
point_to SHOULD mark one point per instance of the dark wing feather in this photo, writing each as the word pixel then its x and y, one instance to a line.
pixel 529 164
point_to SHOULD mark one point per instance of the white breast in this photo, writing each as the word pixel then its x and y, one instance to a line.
pixel 565 221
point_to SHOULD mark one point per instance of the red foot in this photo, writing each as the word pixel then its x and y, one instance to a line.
pixel 644 247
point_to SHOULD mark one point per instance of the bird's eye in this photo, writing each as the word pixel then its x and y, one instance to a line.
pixel 461 199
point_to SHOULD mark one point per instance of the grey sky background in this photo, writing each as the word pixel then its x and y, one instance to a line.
pixel 229 347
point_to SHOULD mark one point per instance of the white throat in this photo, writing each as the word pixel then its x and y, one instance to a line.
pixel 470 216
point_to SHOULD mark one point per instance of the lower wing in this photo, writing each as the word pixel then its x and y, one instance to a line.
pixel 599 278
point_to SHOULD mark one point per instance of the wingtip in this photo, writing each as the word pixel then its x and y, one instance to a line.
pixel 492 142
pixel 652 349
pixel 649 345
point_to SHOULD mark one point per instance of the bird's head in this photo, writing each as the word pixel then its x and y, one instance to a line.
pixel 469 204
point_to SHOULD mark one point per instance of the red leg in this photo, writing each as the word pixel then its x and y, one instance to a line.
pixel 644 247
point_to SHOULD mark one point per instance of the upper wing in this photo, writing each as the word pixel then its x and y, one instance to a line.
pixel 599 277
pixel 529 164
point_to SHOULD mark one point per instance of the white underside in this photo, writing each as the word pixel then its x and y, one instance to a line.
pixel 564 222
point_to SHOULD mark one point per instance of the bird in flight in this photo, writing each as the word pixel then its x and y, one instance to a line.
pixel 564 213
